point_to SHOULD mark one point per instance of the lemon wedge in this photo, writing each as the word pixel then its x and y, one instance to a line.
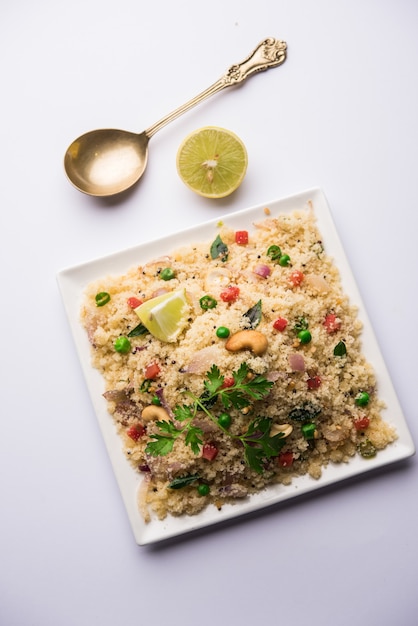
pixel 212 161
pixel 165 316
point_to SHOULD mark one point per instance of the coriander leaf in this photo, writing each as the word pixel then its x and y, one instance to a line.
pixel 254 458
pixel 273 445
pixel 214 379
pixel 219 249
pixel 257 443
pixel 245 389
pixel 161 446
pixel 259 387
pixel 183 412
pixel 194 439
pixel 261 425
pixel 183 481
pixel 252 317
pixel 241 374
pixel 234 397
pixel 167 427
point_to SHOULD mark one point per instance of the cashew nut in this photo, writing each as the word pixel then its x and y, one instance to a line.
pixel 285 429
pixel 247 340
pixel 154 412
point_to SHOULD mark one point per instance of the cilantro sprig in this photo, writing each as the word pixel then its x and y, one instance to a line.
pixel 258 445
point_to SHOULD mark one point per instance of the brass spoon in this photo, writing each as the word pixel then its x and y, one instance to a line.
pixel 108 161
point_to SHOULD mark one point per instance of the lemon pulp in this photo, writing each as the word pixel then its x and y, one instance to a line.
pixel 165 316
pixel 212 161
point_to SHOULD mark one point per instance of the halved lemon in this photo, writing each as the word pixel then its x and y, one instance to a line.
pixel 165 316
pixel 212 161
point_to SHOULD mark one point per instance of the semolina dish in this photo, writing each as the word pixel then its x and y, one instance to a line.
pixel 232 365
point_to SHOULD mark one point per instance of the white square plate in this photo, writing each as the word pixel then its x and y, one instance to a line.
pixel 72 282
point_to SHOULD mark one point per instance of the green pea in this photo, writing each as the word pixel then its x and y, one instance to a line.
pixel 102 298
pixel 284 260
pixel 122 345
pixel 224 420
pixel 156 400
pixel 222 332
pixel 167 273
pixel 304 336
pixel 362 398
pixel 203 489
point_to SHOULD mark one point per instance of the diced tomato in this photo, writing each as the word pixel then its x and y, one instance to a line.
pixel 280 324
pixel 230 294
pixel 362 423
pixel 135 432
pixel 134 302
pixel 241 237
pixel 314 382
pixel 209 451
pixel 151 371
pixel 296 278
pixel 332 323
pixel 285 459
pixel 228 382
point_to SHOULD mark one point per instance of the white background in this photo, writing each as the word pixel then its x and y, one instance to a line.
pixel 342 114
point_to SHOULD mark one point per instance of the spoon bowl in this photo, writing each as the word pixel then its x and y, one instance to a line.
pixel 106 162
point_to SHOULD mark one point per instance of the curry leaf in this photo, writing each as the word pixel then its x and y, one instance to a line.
pixel 138 330
pixel 219 249
pixel 307 412
pixel 183 481
pixel 340 349
pixel 252 317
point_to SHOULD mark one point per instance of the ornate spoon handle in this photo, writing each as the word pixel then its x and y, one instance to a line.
pixel 269 53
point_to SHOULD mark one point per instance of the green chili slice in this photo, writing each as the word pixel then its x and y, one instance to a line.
pixel 207 302
pixel 167 273
pixel 102 298
pixel 274 253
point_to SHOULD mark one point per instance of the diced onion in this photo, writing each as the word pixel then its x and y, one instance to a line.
pixel 202 360
pixel 262 270
pixel 297 362
pixel 217 279
pixel 317 282
pixel 335 435
pixel 159 292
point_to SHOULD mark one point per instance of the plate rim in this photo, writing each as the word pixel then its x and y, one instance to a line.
pixel 74 279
